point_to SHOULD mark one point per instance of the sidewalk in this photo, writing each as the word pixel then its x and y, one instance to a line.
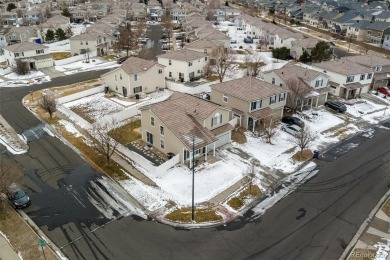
pixel 11 139
pixel 6 250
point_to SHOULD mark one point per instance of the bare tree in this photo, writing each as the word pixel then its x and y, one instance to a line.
pixel 268 128
pixel 87 54
pixel 47 12
pixel 140 28
pixel 221 61
pixel 19 13
pixel 263 41
pixel 298 92
pixel 303 138
pixel 127 39
pixel 167 26
pixel 22 67
pixel 104 144
pixel 253 64
pixel 207 70
pixel 48 103
pixel 10 173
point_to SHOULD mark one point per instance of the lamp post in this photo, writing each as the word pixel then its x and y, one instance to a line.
pixel 193 179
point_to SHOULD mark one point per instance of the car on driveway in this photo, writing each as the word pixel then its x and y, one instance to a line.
pixel 292 120
pixel 384 91
pixel 121 60
pixel 18 197
pixel 337 106
pixel 291 129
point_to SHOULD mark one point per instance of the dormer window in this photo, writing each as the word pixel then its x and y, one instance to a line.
pixel 377 69
pixel 216 120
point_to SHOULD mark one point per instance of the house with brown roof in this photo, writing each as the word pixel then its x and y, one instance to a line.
pixel 37 55
pixel 181 121
pixel 203 45
pixel 380 65
pixel 53 24
pixel 91 42
pixel 135 77
pixel 183 65
pixel 250 99
pixel 346 79
pixel 303 78
pixel 298 47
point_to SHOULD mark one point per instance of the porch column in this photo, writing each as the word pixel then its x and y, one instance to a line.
pixel 253 126
pixel 214 149
pixel 317 101
pixel 191 159
pixel 346 95
pixel 205 155
pixel 302 104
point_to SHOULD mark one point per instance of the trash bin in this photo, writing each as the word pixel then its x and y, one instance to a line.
pixel 316 154
pixel 136 96
pixel 106 89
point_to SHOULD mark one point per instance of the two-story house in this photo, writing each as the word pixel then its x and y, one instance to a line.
pixel 298 47
pixel 36 55
pixel 346 79
pixel 181 121
pixel 53 24
pixel 183 65
pixel 250 99
pixel 376 31
pixel 135 77
pixel 91 42
pixel 19 34
pixel 380 65
pixel 178 14
pixel 306 78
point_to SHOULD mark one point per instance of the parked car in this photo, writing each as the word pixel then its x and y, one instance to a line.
pixel 248 40
pixel 291 129
pixel 292 120
pixel 17 196
pixel 335 105
pixel 121 60
pixel 384 91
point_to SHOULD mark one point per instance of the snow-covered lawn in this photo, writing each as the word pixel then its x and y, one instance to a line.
pixel 68 126
pixel 236 36
pixel 60 46
pixel 363 108
pixel 77 28
pixel 31 74
pixel 80 66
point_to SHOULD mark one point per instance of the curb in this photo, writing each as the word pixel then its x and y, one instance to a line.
pixel 349 249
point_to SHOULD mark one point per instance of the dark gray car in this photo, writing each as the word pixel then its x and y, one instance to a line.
pixel 18 197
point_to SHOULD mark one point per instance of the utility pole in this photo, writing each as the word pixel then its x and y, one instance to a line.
pixel 193 179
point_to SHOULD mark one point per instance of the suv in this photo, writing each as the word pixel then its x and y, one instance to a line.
pixel 292 120
pixel 17 196
pixel 338 106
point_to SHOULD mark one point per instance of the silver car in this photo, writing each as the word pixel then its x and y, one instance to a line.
pixel 291 129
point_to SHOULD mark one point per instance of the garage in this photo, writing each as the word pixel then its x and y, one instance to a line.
pixel 223 138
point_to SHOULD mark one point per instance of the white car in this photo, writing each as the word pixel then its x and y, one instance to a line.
pixel 291 129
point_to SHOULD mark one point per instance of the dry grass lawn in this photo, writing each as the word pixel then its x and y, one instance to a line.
pixel 20 235
pixel 60 55
pixel 201 215
pixel 306 155
pixel 341 131
pixel 238 135
pixel 212 78
pixel 110 57
pixel 126 133
pixel 386 208
pixel 362 254
pixel 250 192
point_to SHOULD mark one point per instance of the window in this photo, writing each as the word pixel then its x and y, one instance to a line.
pixel 273 80
pixel 39 51
pixel 170 74
pixel 350 79
pixel 282 96
pixel 189 63
pixel 135 77
pixel 272 99
pixel 225 98
pixel 369 76
pixel 205 58
pixel 255 105
pixel 161 130
pixel 116 87
pixel 319 83
pixel 377 69
pixel 152 121
pixel 137 89
pixel 162 144
pixel 81 43
pixel 16 54
pixel 205 50
pixel 159 71
pixel 149 137
pixel 120 75
pixel 281 85
pixel 170 62
pixel 86 43
pixel 362 77
pixel 216 120
pixel 115 78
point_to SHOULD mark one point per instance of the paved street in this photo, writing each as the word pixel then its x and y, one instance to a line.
pixel 334 203
pixel 153 47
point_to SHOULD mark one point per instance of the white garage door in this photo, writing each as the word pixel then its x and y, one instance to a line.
pixel 223 139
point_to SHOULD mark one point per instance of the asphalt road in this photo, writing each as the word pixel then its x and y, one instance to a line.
pixel 315 222
pixel 153 47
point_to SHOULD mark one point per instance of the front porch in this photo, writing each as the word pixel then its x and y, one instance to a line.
pixel 255 118
pixel 351 91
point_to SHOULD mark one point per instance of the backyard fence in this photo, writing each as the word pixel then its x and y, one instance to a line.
pixel 74 59
pixel 180 87
pixel 80 94
pixel 75 118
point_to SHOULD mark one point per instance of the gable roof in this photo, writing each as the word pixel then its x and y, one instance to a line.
pixel 248 89
pixel 204 44
pixel 183 55
pixel 89 36
pixel 343 67
pixel 134 65
pixel 368 60
pixel 292 71
pixel 25 46
pixel 180 113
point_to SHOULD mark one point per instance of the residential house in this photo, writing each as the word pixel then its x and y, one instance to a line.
pixel 250 99
pixel 298 47
pixel 285 38
pixel 376 32
pixel 183 122
pixel 53 24
pixel 32 16
pixel 178 14
pixel 91 42
pixel 386 42
pixel 183 65
pixel 135 77
pixel 358 30
pixel 9 18
pixel 19 34
pixel 203 45
pixel 306 78
pixel 346 79
pixel 380 65
pixel 341 24
pixel 36 55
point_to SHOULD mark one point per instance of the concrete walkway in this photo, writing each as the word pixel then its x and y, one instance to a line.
pixel 9 137
pixel 6 250
pixel 52 72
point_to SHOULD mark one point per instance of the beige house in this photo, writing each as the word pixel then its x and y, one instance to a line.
pixel 301 77
pixel 203 45
pixel 183 65
pixel 91 41
pixel 298 47
pixel 37 55
pixel 136 77
pixel 53 24
pixel 173 125
pixel 250 99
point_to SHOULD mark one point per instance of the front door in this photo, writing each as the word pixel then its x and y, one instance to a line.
pixel 124 90
pixel 149 137
pixel 250 121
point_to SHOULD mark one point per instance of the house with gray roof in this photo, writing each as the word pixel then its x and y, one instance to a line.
pixel 91 42
pixel 135 78
pixel 376 32
pixel 251 100
pixel 182 122
pixel 36 55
